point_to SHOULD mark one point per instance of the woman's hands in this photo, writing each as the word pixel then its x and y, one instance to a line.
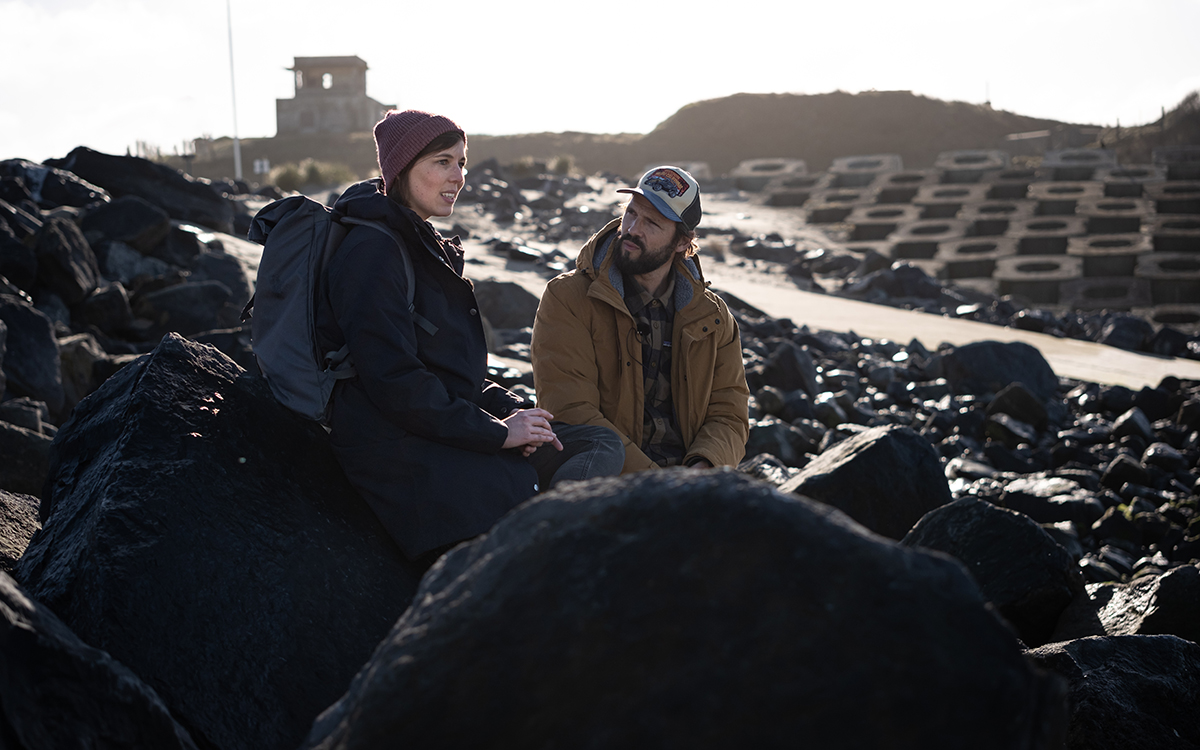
pixel 528 429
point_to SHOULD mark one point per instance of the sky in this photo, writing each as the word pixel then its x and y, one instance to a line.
pixel 110 73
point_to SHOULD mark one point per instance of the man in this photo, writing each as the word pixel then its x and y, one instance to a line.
pixel 633 340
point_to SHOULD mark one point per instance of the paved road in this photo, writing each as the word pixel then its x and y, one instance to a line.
pixel 1082 360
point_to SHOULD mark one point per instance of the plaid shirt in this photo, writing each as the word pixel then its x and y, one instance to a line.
pixel 653 318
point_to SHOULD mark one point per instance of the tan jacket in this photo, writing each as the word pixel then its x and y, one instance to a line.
pixel 587 359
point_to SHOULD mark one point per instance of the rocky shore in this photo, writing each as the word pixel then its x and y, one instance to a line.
pixel 953 541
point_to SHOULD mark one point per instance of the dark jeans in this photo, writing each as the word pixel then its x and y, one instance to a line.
pixel 588 451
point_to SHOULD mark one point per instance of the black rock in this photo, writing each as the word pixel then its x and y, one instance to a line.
pixel 18 261
pixel 187 308
pixel 58 691
pixel 506 304
pixel 790 367
pixel 183 243
pixel 1016 401
pixel 66 264
pixel 1122 470
pixel 79 355
pixel 181 196
pixel 230 271
pixel 18 523
pixel 1164 604
pixel 26 459
pixel 31 363
pixel 122 263
pixel 991 366
pixel 107 308
pixel 1028 576
pixel 676 609
pixel 885 478
pixel 25 412
pixel 1129 691
pixel 131 220
pixel 50 187
pixel 779 439
pixel 1051 500
pixel 206 537
pixel 1126 332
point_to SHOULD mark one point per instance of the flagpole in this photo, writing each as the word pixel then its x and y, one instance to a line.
pixel 237 143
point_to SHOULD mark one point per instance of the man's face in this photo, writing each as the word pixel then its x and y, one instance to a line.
pixel 646 240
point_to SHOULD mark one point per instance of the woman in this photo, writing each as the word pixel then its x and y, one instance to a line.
pixel 438 451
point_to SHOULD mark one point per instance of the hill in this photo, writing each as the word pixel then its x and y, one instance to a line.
pixel 722 132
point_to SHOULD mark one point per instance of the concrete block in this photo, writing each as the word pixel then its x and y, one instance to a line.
pixel 795 190
pixel 1045 235
pixel 1182 162
pixel 877 222
pixel 901 187
pixel 969 166
pixel 1128 181
pixel 1114 215
pixel 1109 254
pixel 974 257
pixel 945 201
pixel 1037 278
pixel 860 171
pixel 1059 198
pixel 1176 234
pixel 752 175
pixel 1185 318
pixel 920 239
pixel 1174 277
pixel 834 205
pixel 992 218
pixel 1105 293
pixel 1077 163
pixel 1175 197
pixel 1009 184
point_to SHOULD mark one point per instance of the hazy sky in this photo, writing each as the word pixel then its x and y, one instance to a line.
pixel 108 73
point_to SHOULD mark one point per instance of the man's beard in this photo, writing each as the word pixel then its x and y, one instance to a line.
pixel 647 261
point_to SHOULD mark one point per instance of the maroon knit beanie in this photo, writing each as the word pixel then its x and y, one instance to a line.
pixel 400 136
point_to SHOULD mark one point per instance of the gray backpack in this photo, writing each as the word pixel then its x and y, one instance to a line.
pixel 299 236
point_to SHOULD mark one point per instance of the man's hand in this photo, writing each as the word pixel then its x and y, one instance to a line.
pixel 528 429
pixel 701 464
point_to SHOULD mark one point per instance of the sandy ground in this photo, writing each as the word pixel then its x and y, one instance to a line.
pixel 775 294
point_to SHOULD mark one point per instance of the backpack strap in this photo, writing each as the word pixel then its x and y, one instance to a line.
pixel 420 319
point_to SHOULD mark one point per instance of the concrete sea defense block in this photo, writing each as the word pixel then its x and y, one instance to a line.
pixel 1109 254
pixel 1037 278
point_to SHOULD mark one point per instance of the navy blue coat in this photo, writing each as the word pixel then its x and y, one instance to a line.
pixel 417 431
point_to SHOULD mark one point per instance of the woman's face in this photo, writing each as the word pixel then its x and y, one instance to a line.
pixel 435 179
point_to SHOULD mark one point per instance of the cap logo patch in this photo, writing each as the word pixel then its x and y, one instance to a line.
pixel 666 181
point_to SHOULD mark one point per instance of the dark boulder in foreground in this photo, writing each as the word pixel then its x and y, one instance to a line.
pixel 1028 576
pixel 1131 691
pixel 681 610
pixel 885 478
pixel 205 537
pixel 59 692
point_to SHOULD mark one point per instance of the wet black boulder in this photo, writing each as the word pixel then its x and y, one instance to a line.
pixel 1130 691
pixel 885 478
pixel 59 692
pixel 205 536
pixel 1027 575
pixel 677 609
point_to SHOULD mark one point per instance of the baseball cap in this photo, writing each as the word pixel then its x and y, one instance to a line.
pixel 673 191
